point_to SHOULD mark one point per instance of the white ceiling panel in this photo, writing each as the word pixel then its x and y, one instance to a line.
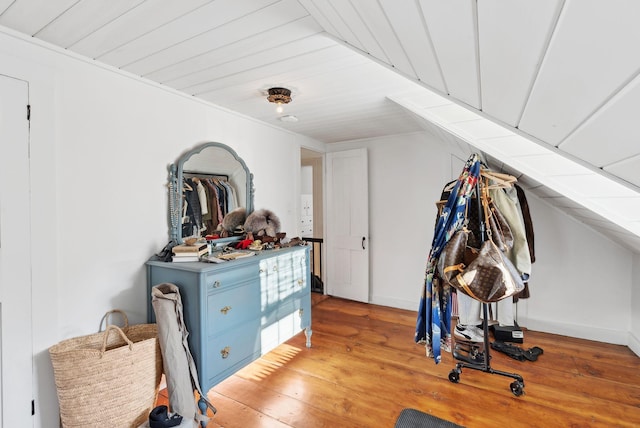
pixel 4 4
pixel 253 44
pixel 587 62
pixel 513 36
pixel 280 14
pixel 339 27
pixel 366 41
pixel 313 7
pixel 628 170
pixel 628 208
pixel 82 19
pixel 421 99
pixel 549 165
pixel 483 129
pixel 201 20
pixel 377 22
pixel 511 146
pixel 134 23
pixel 276 60
pixel 452 26
pixel 451 113
pixel 612 134
pixel 30 16
pixel 598 187
pixel 406 19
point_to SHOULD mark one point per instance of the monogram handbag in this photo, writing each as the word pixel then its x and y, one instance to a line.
pixel 497 224
pixel 487 276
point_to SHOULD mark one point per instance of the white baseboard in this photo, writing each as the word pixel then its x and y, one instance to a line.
pixel 616 337
pixel 634 344
pixel 409 305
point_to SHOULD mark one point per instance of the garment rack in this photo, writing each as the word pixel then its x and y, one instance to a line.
pixel 204 175
pixel 481 360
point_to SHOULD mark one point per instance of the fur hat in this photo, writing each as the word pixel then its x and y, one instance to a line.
pixel 262 222
pixel 233 219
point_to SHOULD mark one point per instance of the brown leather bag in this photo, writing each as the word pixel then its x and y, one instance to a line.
pixel 489 277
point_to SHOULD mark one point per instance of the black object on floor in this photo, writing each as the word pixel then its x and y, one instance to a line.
pixel 516 352
pixel 411 418
pixel 159 418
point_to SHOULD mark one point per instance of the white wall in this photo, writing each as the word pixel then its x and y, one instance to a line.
pixel 100 145
pixel 581 281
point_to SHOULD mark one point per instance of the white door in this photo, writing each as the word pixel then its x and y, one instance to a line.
pixel 347 225
pixel 15 251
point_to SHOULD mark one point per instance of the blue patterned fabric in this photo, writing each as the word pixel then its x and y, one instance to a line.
pixel 434 312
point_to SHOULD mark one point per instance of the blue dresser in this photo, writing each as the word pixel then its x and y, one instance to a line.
pixel 238 310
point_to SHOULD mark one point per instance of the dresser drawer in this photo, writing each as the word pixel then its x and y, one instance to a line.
pixel 285 321
pixel 283 276
pixel 296 262
pixel 217 281
pixel 290 281
pixel 233 349
pixel 232 306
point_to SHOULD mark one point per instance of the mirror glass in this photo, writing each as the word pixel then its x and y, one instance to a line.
pixel 211 172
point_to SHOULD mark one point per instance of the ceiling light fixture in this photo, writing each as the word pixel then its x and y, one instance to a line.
pixel 279 96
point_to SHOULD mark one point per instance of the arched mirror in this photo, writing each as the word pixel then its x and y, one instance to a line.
pixel 211 172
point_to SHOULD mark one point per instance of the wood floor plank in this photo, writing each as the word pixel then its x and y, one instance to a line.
pixel 363 368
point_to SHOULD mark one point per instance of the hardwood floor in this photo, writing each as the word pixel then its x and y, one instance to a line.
pixel 363 368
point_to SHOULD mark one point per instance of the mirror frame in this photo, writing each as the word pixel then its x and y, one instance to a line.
pixel 176 175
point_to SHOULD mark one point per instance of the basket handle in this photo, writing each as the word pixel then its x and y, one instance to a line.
pixel 106 336
pixel 106 318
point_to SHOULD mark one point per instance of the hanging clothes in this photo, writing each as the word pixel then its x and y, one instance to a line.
pixel 207 199
pixel 433 325
pixel 528 227
pixel 506 200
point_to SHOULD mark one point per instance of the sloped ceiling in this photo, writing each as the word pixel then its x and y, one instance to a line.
pixel 548 90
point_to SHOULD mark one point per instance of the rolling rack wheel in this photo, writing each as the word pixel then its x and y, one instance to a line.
pixel 476 360
pixel 517 388
pixel 454 376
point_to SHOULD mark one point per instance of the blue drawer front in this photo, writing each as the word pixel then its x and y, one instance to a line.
pixel 231 351
pixel 233 307
pixel 219 281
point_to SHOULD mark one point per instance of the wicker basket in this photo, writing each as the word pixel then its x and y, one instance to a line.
pixel 108 379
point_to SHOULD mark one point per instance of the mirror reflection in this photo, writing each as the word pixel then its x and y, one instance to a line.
pixel 206 184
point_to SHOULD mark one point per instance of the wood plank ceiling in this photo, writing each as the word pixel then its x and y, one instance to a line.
pixel 562 74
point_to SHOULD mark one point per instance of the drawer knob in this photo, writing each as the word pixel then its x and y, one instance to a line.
pixel 301 312
pixel 216 284
pixel 275 268
pixel 300 282
pixel 225 351
pixel 225 310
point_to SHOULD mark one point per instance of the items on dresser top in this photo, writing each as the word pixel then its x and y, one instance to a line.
pixel 189 253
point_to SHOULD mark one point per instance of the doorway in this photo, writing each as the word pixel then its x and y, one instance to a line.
pixel 312 213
